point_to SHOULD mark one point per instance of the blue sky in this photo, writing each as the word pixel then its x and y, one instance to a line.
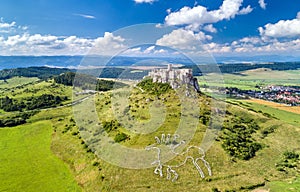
pixel 224 27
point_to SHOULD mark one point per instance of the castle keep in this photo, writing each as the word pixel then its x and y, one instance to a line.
pixel 175 77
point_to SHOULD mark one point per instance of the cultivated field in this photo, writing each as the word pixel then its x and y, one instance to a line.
pixel 293 109
pixel 247 80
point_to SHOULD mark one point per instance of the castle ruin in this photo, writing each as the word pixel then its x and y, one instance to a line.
pixel 175 77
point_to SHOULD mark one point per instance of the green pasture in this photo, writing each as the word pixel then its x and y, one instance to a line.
pixel 27 162
pixel 16 81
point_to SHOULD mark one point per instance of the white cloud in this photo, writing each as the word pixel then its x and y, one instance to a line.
pixel 283 28
pixel 150 51
pixel 144 1
pixel 17 41
pixel 245 10
pixel 254 46
pixel 262 4
pixel 108 44
pixel 7 25
pixel 183 39
pixel 210 28
pixel 11 27
pixel 86 16
pixel 38 39
pixel 197 16
pixel 38 44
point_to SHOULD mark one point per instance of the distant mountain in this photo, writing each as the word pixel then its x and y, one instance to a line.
pixel 10 62
pixel 256 59
pixel 74 62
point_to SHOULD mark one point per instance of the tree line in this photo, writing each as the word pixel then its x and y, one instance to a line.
pixel 238 67
pixel 37 102
pixel 86 82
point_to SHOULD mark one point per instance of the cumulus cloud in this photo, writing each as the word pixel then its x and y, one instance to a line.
pixel 246 10
pixel 254 46
pixel 195 17
pixel 7 25
pixel 38 44
pixel 183 39
pixel 10 27
pixel 262 4
pixel 283 28
pixel 144 1
pixel 108 44
pixel 210 28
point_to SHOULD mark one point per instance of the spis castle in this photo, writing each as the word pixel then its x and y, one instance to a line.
pixel 175 77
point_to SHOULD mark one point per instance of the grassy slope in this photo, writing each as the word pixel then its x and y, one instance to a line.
pixel 285 186
pixel 27 163
pixel 226 173
pixel 93 174
pixel 285 116
pixel 16 81
pixel 285 138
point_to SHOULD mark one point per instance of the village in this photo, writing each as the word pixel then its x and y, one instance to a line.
pixel 289 95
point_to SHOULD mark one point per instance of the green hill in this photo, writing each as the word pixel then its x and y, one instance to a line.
pixel 252 150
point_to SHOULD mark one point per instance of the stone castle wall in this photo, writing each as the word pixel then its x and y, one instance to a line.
pixel 175 77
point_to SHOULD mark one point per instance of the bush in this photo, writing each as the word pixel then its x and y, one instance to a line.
pixel 108 126
pixel 291 155
pixel 237 139
pixel 289 160
pixel 120 137
pixel 154 88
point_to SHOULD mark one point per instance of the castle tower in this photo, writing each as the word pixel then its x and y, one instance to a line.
pixel 169 67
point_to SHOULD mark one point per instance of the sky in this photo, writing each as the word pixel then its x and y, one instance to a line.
pixel 221 27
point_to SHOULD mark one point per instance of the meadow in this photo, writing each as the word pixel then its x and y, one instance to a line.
pixel 16 81
pixel 27 162
pixel 52 153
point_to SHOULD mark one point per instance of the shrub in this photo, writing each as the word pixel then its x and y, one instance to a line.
pixel 120 137
pixel 237 139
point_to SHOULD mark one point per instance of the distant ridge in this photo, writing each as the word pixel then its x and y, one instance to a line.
pixel 40 72
pixel 73 62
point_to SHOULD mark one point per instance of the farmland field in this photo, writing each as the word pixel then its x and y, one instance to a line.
pixel 247 80
pixel 293 109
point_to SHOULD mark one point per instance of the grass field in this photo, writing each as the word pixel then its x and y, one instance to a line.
pixel 28 164
pixel 16 81
pixel 283 115
pixel 32 88
pixel 247 80
pixel 285 186
pixel 227 174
